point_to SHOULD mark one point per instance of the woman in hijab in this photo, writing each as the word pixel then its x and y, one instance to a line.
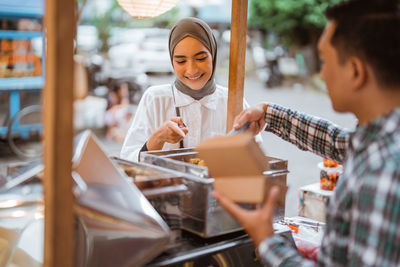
pixel 191 109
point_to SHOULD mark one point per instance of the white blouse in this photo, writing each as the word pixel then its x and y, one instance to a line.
pixel 203 118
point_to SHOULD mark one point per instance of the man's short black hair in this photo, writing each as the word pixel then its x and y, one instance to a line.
pixel 369 29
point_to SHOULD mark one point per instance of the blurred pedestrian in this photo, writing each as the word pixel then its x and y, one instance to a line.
pixel 117 115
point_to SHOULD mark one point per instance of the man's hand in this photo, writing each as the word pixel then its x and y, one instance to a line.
pixel 255 115
pixel 257 223
pixel 172 131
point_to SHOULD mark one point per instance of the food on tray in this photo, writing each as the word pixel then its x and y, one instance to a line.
pixel 330 163
pixel 330 173
pixel 197 161
pixel 138 174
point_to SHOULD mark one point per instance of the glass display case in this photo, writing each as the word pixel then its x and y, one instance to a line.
pixel 21 74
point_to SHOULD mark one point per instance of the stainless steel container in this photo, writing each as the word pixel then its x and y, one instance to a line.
pixel 117 226
pixel 201 212
pixel 152 180
pixel 163 188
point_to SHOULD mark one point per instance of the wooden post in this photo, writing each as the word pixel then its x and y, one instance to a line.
pixel 58 134
pixel 237 58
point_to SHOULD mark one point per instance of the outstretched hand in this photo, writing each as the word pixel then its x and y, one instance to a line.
pixel 257 223
pixel 255 115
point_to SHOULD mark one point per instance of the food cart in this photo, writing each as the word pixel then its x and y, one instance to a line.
pixel 21 74
pixel 131 214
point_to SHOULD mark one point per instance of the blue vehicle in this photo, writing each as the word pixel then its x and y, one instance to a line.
pixel 21 74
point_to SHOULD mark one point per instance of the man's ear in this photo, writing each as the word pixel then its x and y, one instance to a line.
pixel 359 73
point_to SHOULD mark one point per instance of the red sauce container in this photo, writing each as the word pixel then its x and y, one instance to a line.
pixel 330 173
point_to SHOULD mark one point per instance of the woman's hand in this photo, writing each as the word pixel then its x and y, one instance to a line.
pixel 255 115
pixel 172 131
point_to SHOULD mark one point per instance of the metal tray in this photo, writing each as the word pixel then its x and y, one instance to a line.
pixel 201 213
pixel 163 188
pixel 153 181
pixel 178 159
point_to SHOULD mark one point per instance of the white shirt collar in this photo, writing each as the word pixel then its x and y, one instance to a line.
pixel 209 101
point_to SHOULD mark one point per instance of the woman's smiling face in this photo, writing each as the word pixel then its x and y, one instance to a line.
pixel 192 63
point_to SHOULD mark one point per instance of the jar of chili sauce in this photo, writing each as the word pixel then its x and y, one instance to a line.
pixel 330 173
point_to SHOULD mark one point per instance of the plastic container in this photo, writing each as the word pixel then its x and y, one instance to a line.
pixel 307 247
pixel 307 235
pixel 329 176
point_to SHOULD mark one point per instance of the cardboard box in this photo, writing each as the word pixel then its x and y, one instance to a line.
pixel 237 164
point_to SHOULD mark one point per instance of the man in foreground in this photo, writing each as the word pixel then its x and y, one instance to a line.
pixel 360 48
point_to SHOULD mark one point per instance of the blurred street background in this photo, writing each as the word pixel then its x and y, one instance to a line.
pixel 118 53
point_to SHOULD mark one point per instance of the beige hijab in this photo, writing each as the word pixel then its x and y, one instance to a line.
pixel 199 30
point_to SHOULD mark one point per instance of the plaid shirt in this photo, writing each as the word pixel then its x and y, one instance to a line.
pixel 363 216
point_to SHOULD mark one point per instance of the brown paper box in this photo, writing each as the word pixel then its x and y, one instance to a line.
pixel 237 164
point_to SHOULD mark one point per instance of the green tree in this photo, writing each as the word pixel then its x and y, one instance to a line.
pixel 297 22
pixel 105 22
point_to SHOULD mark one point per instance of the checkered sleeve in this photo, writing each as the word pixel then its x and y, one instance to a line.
pixel 307 133
pixel 274 251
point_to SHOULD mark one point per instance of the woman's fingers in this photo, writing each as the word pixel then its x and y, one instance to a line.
pixel 174 127
pixel 180 123
pixel 185 130
pixel 177 120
